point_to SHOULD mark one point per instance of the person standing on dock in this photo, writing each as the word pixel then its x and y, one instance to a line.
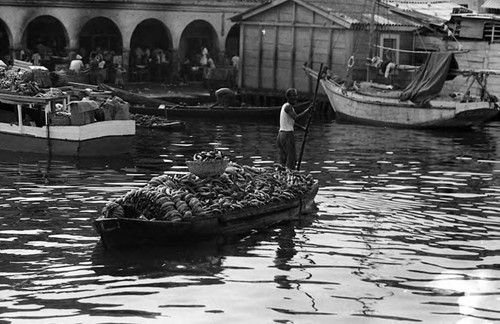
pixel 208 73
pixel 285 140
pixel 235 62
pixel 119 82
pixel 77 64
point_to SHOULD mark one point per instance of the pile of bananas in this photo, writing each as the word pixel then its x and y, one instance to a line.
pixel 182 197
pixel 18 82
pixel 146 120
pixel 50 93
pixel 208 156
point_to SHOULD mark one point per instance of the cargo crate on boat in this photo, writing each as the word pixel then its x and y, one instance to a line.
pixel 82 112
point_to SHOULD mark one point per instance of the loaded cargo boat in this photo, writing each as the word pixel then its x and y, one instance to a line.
pixel 183 208
pixel 144 105
pixel 210 111
pixel 54 125
pixel 37 118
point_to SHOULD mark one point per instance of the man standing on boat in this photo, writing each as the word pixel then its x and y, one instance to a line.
pixel 226 97
pixel 286 136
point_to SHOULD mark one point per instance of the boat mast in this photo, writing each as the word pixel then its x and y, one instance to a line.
pixel 370 37
pixel 20 117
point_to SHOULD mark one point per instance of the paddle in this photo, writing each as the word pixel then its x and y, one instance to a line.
pixel 313 104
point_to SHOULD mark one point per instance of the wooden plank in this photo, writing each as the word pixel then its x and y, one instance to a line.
pixel 310 59
pixel 267 76
pixel 286 13
pixel 294 50
pixel 275 57
pixel 259 72
pixel 471 29
pixel 241 77
pixel 303 36
pixel 303 15
pixel 330 48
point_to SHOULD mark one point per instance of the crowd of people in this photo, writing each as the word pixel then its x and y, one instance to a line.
pixel 101 68
pixel 146 65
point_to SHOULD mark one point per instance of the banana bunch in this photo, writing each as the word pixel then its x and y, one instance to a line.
pixel 155 203
pixel 146 120
pixel 11 80
pixel 207 156
pixel 184 197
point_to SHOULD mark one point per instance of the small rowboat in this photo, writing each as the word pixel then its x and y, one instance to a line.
pixel 121 232
pixel 166 125
pixel 205 111
pixel 239 201
pixel 155 122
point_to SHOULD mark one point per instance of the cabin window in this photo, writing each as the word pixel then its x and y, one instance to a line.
pixel 389 41
pixel 491 32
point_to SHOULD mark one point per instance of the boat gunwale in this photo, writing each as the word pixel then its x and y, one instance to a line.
pixel 361 97
pixel 281 205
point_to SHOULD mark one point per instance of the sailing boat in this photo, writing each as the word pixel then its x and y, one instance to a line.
pixel 421 104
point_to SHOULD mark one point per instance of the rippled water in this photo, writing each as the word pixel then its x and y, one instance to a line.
pixel 408 230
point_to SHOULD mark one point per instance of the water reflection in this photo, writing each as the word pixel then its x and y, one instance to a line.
pixel 407 230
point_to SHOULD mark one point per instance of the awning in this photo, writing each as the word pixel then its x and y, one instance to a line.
pixel 491 4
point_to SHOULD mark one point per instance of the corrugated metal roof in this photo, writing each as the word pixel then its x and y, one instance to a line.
pixel 491 4
pixel 348 13
pixel 441 9
pixel 359 12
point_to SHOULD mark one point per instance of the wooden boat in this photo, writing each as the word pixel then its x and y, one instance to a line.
pixel 375 104
pixel 42 134
pixel 205 111
pixel 135 98
pixel 116 232
pixel 155 122
pixel 165 125
pixel 156 107
pixel 127 231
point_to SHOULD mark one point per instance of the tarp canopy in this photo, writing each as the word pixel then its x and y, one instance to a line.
pixel 430 78
pixel 13 98
pixel 491 4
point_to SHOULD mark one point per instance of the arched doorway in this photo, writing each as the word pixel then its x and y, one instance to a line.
pixel 47 36
pixel 233 41
pixel 100 35
pixel 4 43
pixel 197 34
pixel 151 55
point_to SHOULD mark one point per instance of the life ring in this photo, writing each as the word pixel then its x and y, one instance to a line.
pixel 350 63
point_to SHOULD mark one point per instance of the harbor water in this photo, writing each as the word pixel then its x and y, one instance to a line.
pixel 407 231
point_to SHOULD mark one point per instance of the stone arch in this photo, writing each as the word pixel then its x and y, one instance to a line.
pixel 197 34
pixel 48 36
pixel 233 41
pixel 5 42
pixel 100 33
pixel 153 37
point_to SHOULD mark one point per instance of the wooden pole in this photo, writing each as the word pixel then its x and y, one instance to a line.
pixel 320 74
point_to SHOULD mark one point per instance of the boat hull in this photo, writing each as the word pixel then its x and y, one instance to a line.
pixel 122 232
pixel 104 138
pixel 271 113
pixel 385 109
pixel 355 107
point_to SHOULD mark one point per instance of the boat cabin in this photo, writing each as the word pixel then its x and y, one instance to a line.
pixel 31 111
pixel 277 38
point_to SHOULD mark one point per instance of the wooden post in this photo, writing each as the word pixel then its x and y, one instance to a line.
pixel 259 61
pixel 330 48
pixel 292 57
pixel 275 59
pixel 311 54
pixel 241 79
pixel 20 117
